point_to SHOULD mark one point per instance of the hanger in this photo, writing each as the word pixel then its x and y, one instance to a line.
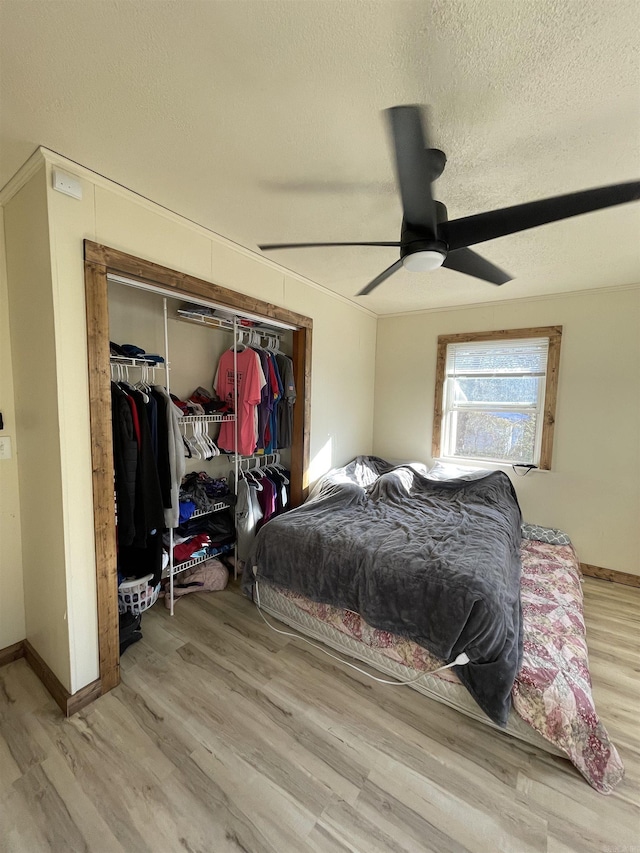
pixel 273 343
pixel 196 429
pixel 124 379
pixel 143 383
pixel 191 443
pixel 279 470
pixel 215 450
pixel 250 475
pixel 239 345
pixel 205 440
pixel 142 386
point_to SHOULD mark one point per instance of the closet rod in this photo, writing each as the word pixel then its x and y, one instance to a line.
pixel 165 291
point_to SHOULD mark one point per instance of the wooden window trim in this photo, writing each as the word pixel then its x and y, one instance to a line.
pixel 553 333
pixel 99 261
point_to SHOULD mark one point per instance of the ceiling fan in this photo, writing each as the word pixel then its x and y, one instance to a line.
pixel 428 240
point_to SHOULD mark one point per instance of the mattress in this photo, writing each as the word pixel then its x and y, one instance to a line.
pixel 552 701
pixel 447 691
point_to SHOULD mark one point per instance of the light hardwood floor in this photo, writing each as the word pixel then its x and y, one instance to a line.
pixel 224 736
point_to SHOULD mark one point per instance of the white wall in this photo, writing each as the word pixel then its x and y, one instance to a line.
pixel 12 621
pixel 593 489
pixel 343 358
pixel 34 357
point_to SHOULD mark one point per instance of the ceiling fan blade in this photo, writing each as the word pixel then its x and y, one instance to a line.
pixel 380 278
pixel 413 167
pixel 470 263
pixel 268 246
pixel 509 220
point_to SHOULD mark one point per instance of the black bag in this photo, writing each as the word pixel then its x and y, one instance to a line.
pixel 129 629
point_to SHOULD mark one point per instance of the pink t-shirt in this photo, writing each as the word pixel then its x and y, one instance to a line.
pixel 248 399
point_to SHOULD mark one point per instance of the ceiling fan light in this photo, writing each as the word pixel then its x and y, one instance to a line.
pixel 424 261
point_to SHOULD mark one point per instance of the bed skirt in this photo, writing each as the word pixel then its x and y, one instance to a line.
pixel 453 694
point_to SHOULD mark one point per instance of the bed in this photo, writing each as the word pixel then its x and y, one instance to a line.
pixel 404 571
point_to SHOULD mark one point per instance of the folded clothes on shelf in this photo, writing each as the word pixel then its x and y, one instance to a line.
pixel 134 351
pixel 203 491
pixel 195 308
pixel 219 526
pixel 218 313
pixel 201 403
pixel 187 508
pixel 188 550
pixel 210 403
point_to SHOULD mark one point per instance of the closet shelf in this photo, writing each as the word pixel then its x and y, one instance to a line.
pixel 217 507
pixel 206 419
pixel 189 564
pixel 135 362
pixel 227 324
pixel 206 320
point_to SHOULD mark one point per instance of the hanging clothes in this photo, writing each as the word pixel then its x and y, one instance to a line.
pixel 136 562
pixel 125 459
pixel 249 385
pixel 266 403
pixel 286 402
pixel 175 453
pixel 276 394
pixel 140 511
pixel 280 479
pixel 151 407
pixel 162 456
pixel 248 514
pixel 149 514
pixel 267 500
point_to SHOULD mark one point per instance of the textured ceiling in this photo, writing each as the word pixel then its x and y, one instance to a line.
pixel 262 121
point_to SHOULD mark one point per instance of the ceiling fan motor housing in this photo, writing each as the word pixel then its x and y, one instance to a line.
pixel 420 253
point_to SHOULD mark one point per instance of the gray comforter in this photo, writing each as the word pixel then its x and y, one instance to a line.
pixel 437 562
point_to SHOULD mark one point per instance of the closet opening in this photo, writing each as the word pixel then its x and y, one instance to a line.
pixel 167 330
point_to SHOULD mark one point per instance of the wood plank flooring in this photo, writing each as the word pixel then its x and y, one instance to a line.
pixel 224 736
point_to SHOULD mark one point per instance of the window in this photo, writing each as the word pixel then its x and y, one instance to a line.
pixel 496 395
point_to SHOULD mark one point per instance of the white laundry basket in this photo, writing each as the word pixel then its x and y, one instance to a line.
pixel 136 595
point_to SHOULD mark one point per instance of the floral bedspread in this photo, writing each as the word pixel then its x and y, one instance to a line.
pixel 552 691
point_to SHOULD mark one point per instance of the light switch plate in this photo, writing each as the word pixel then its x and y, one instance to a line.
pixel 5 447
pixel 66 183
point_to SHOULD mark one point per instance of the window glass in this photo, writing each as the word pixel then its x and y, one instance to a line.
pixel 508 436
pixel 507 389
pixel 495 396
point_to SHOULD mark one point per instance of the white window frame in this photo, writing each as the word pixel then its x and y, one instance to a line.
pixel 445 410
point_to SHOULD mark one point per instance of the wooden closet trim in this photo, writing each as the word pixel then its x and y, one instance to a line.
pixel 553 333
pixel 99 261
pixel 187 285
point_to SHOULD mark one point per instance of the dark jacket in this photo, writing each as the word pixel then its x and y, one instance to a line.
pixel 125 458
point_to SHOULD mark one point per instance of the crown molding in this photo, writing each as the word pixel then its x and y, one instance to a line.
pixel 616 288
pixel 22 176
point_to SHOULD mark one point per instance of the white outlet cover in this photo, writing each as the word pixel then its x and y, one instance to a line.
pixel 66 183
pixel 5 447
